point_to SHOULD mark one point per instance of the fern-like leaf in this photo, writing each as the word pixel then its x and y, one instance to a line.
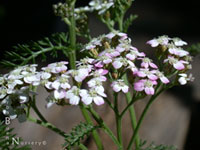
pixel 129 21
pixel 27 53
pixel 194 49
pixel 77 134
pixel 6 139
pixel 152 146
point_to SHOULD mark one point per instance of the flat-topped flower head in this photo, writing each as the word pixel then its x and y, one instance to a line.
pixel 119 85
pixel 184 78
pixel 179 42
pixel 162 40
pixel 145 72
pixel 177 64
pixel 146 63
pixel 145 85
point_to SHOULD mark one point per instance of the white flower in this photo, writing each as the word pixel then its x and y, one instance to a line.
pixel 59 94
pixel 61 82
pixel 179 42
pixel 73 95
pixel 162 40
pixel 79 75
pixel 119 85
pixel 183 79
pixel 56 67
pixel 92 95
pixel 3 92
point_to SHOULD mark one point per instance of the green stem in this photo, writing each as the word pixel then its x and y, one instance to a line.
pixel 132 112
pixel 100 121
pixel 94 132
pixel 47 125
pixel 81 146
pixel 142 118
pixel 38 113
pixel 118 120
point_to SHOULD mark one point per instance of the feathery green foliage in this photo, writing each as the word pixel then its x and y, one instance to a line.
pixel 152 146
pixel 6 137
pixel 194 49
pixel 77 134
pixel 27 53
pixel 128 22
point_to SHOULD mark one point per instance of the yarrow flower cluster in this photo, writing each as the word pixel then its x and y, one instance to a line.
pixel 174 55
pixel 112 56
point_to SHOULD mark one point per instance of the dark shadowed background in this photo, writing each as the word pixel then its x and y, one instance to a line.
pixel 22 21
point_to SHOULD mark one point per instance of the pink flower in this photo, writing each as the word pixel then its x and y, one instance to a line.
pixel 178 52
pixel 119 85
pixel 161 76
pixel 145 85
pixel 99 74
pixel 177 64
pixel 146 73
pixel 133 54
pixel 56 67
pixel 146 62
pixel 102 60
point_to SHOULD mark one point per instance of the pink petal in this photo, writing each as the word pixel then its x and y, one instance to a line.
pixel 179 66
pixel 141 74
pixel 153 43
pixel 130 57
pixel 99 65
pixel 125 89
pixel 144 64
pixel 117 64
pixel 164 80
pixel 149 91
pixel 152 77
pixel 87 100
pixel 116 88
pixel 98 100
pixel 139 86
pixel 153 65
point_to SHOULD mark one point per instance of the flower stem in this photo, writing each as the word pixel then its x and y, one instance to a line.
pixel 132 113
pixel 118 120
pixel 100 121
pixel 72 37
pixel 94 132
pixel 142 118
pixel 47 125
pixel 82 147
